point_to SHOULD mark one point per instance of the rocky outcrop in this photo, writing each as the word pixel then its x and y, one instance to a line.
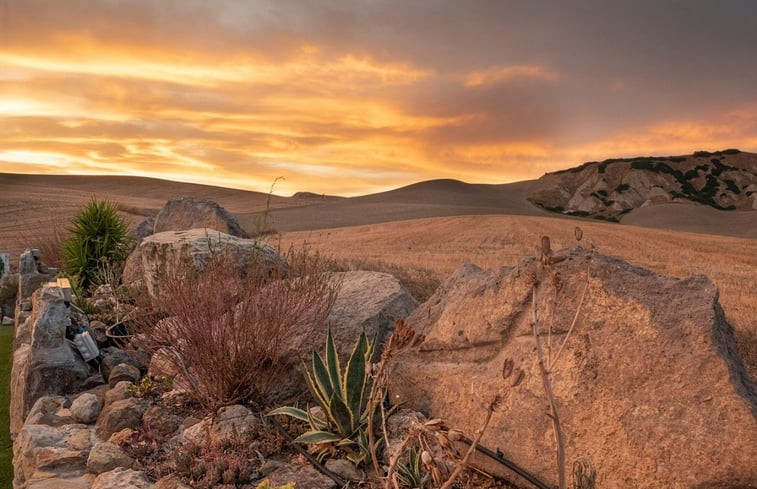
pixel 367 301
pixel 162 253
pixel 725 180
pixel 649 386
pixel 186 213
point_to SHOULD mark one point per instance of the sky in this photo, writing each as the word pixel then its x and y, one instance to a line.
pixel 360 96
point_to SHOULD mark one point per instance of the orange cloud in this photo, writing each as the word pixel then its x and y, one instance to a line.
pixel 503 74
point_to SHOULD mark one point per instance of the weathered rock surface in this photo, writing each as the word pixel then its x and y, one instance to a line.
pixel 120 391
pixel 230 421
pixel 86 408
pixel 106 456
pixel 366 301
pixel 46 364
pixel 186 213
pixel 144 229
pixel 162 253
pixel 117 415
pixel 304 477
pixel 50 410
pixel 112 356
pixel 121 478
pixel 42 452
pixel 649 386
pixel 123 372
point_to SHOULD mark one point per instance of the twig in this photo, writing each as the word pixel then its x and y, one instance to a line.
pixel 551 396
pixel 575 319
pixel 462 463
pixel 335 477
pixel 395 458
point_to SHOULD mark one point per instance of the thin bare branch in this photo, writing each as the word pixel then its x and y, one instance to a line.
pixel 546 380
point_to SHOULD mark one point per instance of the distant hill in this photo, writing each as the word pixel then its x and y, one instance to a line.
pixel 723 180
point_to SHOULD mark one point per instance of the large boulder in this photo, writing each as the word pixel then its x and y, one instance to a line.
pixel 162 253
pixel 366 301
pixel 649 386
pixel 185 213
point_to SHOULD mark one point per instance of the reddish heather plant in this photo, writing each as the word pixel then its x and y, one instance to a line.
pixel 231 335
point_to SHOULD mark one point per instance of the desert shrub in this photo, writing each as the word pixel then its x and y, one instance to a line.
pixel 233 334
pixel 98 237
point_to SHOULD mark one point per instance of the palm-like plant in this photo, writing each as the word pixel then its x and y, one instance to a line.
pixel 98 237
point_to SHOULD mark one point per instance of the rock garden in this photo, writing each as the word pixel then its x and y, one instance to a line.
pixel 196 357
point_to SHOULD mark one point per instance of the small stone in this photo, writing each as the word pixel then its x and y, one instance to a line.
pixel 157 419
pixel 119 392
pixel 113 356
pixel 92 381
pixel 120 437
pixel 229 422
pixel 48 410
pixel 86 408
pixel 171 481
pixel 123 372
pixel 121 478
pixel 106 456
pixel 304 476
pixel 344 468
pixel 7 321
pixel 126 413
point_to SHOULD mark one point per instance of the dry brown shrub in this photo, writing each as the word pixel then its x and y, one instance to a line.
pixel 49 241
pixel 233 336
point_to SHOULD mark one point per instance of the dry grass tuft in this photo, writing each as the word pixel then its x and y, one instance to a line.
pixel 48 241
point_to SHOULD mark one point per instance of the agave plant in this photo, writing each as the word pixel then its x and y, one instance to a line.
pixel 342 397
pixel 413 475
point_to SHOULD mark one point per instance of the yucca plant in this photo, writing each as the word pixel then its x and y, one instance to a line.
pixel 342 397
pixel 97 235
pixel 413 475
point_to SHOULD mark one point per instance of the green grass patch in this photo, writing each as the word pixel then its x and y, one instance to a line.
pixel 6 446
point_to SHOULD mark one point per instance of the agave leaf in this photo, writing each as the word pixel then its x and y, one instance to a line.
pixel 313 437
pixel 344 419
pixel 332 361
pixel 290 411
pixel 322 377
pixel 317 394
pixel 355 377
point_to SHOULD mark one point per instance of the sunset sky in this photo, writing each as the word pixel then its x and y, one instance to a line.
pixel 353 97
